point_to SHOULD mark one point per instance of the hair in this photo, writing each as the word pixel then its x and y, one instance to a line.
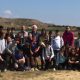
pixel 78 33
pixel 56 31
pixel 43 30
pixel 8 29
pixel 12 28
pixel 50 32
pixel 34 26
pixel 73 49
pixel 1 27
pixel 1 34
pixel 63 47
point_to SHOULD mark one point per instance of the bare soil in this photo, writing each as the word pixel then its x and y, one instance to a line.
pixel 40 75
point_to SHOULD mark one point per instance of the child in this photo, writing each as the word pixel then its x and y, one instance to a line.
pixel 2 49
pixel 20 60
pixel 62 58
pixel 73 60
pixel 57 43
pixel 48 56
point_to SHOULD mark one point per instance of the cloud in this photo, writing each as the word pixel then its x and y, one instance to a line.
pixel 7 14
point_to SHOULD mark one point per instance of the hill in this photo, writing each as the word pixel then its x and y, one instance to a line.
pixel 17 22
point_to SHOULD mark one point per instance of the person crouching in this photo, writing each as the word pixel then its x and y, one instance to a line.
pixel 48 55
pixel 20 60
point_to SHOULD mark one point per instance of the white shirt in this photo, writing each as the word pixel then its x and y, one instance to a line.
pixel 2 45
pixel 57 43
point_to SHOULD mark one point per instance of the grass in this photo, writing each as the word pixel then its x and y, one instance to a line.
pixel 40 75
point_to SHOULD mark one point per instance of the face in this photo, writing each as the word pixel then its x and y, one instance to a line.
pixel 73 51
pixel 77 49
pixel 8 30
pixel 23 28
pixel 57 33
pixel 79 34
pixel 1 28
pixel 20 51
pixel 68 29
pixel 50 33
pixel 34 28
pixel 43 31
pixel 12 30
pixel 9 39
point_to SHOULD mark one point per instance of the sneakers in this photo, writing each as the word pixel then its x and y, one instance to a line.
pixel 4 70
pixel 32 69
pixel 36 69
pixel 16 65
pixel 27 68
pixel 54 69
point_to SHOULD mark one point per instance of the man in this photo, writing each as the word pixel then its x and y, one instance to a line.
pixel 68 37
pixel 22 35
pixel 36 35
pixel 12 33
pixel 35 38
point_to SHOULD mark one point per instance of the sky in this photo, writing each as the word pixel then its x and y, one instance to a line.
pixel 59 12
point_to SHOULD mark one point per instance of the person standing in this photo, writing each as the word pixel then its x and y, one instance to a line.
pixel 22 35
pixel 68 37
pixel 57 43
pixel 2 49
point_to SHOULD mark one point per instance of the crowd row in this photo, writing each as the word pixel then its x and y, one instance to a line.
pixel 39 51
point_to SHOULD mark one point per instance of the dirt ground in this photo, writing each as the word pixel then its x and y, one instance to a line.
pixel 40 75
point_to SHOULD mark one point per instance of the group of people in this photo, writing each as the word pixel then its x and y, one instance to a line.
pixel 39 50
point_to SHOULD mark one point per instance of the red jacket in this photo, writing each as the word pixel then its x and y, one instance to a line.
pixel 68 38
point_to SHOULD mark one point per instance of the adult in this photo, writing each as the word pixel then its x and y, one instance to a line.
pixel 68 37
pixel 35 47
pixel 8 32
pixel 35 33
pixel 12 33
pixel 22 35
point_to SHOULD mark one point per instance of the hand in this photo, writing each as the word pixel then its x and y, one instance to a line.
pixel 31 53
pixel 77 62
pixel 1 58
pixel 50 59
pixel 36 50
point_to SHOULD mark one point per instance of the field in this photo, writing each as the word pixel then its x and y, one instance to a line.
pixel 40 75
